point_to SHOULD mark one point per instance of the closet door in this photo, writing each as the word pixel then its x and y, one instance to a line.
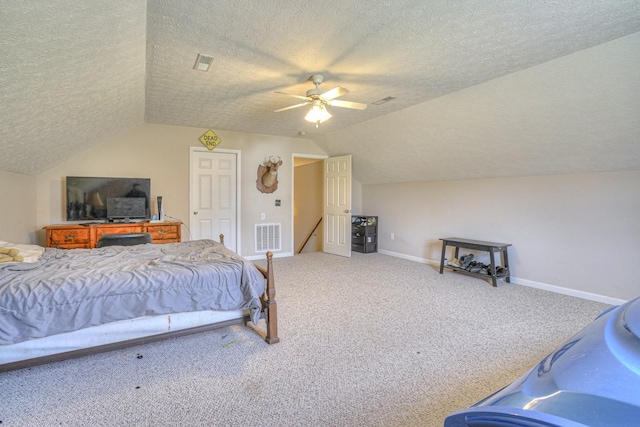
pixel 214 186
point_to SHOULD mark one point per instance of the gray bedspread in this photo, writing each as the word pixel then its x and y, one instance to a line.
pixel 66 290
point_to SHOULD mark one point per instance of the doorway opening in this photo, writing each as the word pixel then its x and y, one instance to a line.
pixel 307 203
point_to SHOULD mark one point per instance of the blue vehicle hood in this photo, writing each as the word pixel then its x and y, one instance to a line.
pixel 593 380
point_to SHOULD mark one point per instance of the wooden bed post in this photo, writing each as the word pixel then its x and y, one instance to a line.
pixel 271 307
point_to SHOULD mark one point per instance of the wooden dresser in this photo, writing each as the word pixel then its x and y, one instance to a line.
pixel 73 236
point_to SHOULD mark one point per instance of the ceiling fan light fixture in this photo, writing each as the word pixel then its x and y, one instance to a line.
pixel 319 100
pixel 317 114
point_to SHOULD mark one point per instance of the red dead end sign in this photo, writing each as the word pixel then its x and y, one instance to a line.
pixel 210 140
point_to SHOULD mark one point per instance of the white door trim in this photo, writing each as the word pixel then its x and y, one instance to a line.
pixel 238 154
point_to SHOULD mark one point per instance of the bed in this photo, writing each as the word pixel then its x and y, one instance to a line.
pixel 63 303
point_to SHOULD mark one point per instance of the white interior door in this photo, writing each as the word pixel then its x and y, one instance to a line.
pixel 336 214
pixel 214 199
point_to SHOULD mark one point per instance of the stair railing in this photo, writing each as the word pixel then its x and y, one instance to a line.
pixel 309 236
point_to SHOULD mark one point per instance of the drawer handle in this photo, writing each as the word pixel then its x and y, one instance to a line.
pixel 162 232
pixel 69 236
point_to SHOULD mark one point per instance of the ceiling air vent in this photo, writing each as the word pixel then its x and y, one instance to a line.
pixel 384 100
pixel 203 62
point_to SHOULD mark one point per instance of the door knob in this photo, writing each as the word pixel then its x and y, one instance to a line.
pixel 195 213
pixel 346 211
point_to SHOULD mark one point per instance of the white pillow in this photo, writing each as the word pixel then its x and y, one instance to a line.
pixel 30 253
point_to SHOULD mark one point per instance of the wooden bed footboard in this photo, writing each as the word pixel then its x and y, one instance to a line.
pixel 269 306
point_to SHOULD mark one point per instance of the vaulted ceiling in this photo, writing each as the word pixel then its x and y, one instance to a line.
pixel 75 74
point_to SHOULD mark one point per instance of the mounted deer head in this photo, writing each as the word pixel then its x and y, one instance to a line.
pixel 268 174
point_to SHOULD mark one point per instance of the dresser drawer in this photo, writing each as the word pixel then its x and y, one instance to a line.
pixel 70 238
pixel 164 233
pixel 365 249
pixel 363 239
pixel 118 230
pixel 363 230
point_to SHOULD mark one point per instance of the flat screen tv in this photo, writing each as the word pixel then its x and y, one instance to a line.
pixel 87 197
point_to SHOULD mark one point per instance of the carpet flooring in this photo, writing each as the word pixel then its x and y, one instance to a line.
pixel 368 341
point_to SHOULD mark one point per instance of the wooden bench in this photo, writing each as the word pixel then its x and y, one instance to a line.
pixel 478 245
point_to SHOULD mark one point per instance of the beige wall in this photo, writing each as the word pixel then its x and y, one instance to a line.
pixel 162 153
pixel 18 194
pixel 576 232
pixel 356 198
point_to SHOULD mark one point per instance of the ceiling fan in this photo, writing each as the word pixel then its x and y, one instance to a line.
pixel 319 101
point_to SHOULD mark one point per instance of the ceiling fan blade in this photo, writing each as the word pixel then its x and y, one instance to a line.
pixel 295 96
pixel 293 106
pixel 334 93
pixel 348 104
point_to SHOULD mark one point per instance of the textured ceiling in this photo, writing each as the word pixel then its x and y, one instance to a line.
pixel 414 50
pixel 75 76
pixel 72 75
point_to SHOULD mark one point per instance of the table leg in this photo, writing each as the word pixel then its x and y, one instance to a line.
pixel 444 248
pixel 505 263
pixel 493 268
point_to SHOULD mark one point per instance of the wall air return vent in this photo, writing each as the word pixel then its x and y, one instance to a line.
pixel 268 237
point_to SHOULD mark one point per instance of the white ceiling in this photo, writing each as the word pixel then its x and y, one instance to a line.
pixel 74 76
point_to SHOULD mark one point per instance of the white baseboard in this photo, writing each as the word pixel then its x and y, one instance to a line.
pixel 409 257
pixel 264 256
pixel 567 291
pixel 530 283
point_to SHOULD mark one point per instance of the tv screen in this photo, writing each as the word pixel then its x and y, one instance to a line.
pixel 87 196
